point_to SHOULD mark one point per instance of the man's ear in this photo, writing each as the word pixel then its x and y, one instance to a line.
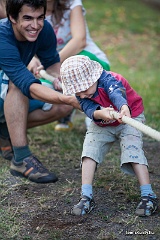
pixel 12 19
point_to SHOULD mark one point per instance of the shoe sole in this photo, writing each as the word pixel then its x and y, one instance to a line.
pixel 59 128
pixel 72 212
pixel 18 174
pixel 144 215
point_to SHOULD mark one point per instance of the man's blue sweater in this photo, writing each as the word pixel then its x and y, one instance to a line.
pixel 15 55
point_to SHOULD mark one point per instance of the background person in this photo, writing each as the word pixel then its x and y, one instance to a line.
pixel 2 9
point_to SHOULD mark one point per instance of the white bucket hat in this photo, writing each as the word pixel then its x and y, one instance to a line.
pixel 78 73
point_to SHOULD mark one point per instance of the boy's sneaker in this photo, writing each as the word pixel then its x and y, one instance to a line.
pixel 85 205
pixel 6 148
pixel 32 169
pixel 147 206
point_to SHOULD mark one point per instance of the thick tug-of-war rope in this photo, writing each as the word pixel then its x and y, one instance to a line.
pixel 138 125
pixel 47 76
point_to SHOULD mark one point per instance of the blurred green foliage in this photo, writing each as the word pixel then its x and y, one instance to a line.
pixel 128 32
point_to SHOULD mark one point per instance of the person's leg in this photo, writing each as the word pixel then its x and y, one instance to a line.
pixel 133 161
pixel 5 144
pixel 36 117
pixel 142 175
pixel 6 150
pixel 86 203
pixel 149 200
pixel 24 164
pixel 16 114
pixel 39 117
pixel 97 143
pixel 88 170
pixel 40 113
pixel 139 169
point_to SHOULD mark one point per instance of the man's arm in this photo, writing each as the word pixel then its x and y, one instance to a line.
pixel 54 70
pixel 45 94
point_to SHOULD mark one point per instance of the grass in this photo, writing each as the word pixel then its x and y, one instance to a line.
pixel 128 32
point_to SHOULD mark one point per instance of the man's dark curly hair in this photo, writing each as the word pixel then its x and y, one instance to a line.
pixel 13 7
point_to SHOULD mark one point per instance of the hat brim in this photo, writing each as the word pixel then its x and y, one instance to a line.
pixel 93 77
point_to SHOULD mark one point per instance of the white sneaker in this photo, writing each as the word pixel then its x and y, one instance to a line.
pixel 64 126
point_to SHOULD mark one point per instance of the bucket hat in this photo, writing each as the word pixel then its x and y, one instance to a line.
pixel 78 73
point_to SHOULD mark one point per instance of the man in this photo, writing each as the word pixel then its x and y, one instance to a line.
pixel 24 34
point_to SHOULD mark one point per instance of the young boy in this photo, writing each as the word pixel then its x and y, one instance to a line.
pixel 99 92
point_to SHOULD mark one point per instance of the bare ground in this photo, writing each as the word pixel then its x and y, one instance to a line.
pixel 42 211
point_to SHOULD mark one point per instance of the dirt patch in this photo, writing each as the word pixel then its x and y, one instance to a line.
pixel 42 211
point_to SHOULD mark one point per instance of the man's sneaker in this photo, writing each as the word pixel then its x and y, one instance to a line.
pixel 85 205
pixel 6 148
pixel 32 169
pixel 65 124
pixel 147 206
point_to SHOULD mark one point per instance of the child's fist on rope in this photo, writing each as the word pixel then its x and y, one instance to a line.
pixel 125 111
pixel 104 113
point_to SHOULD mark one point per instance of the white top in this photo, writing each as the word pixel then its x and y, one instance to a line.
pixel 63 32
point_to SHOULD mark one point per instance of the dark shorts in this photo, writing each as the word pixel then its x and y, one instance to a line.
pixel 4 81
pixel 33 105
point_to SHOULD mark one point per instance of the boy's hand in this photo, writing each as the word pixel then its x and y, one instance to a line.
pixel 124 112
pixel 103 114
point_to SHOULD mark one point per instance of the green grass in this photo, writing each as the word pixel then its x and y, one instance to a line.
pixel 8 221
pixel 128 32
pixel 113 16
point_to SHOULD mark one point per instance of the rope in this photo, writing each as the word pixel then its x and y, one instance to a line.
pixel 138 125
pixel 45 75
